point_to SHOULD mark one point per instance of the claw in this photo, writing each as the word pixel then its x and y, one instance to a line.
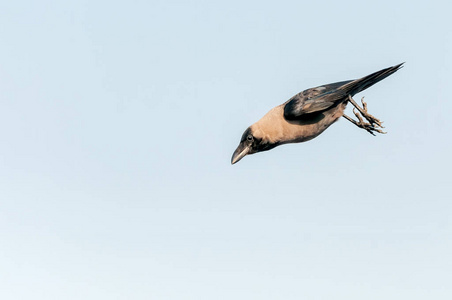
pixel 372 123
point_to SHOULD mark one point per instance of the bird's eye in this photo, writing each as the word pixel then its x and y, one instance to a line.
pixel 249 138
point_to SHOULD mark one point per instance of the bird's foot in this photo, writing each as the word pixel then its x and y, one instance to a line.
pixel 372 125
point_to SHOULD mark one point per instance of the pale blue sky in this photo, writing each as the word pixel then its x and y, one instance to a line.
pixel 118 121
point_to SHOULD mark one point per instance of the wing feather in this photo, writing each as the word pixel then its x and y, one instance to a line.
pixel 314 100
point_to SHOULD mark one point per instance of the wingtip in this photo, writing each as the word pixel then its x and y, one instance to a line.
pixel 399 66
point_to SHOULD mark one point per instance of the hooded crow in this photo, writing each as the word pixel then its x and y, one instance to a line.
pixel 307 114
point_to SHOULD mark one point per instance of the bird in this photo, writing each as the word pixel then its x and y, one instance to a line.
pixel 307 114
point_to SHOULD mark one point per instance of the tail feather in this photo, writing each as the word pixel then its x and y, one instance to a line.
pixel 361 84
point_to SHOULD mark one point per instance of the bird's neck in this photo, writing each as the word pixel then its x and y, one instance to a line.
pixel 270 127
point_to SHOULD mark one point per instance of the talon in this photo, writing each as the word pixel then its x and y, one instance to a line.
pixel 362 113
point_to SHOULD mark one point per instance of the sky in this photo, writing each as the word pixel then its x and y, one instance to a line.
pixel 118 121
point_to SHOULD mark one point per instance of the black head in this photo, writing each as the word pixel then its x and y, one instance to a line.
pixel 249 144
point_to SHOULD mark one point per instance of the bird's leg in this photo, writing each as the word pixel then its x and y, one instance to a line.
pixel 373 124
pixel 363 124
pixel 371 119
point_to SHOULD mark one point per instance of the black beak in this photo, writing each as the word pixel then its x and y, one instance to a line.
pixel 239 153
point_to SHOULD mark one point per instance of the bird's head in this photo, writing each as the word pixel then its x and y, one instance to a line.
pixel 253 140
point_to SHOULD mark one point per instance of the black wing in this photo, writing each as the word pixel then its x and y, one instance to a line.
pixel 323 97
pixel 314 100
